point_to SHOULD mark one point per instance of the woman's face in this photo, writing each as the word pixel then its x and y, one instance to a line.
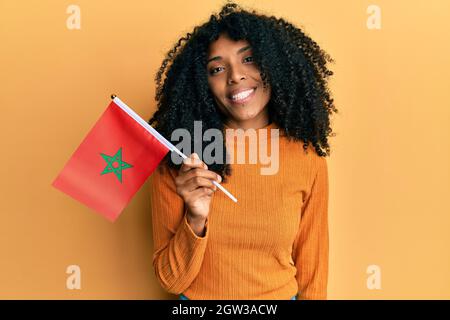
pixel 236 84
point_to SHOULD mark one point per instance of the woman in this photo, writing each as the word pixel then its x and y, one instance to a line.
pixel 243 70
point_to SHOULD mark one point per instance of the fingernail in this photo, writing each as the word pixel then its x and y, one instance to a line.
pixel 195 155
pixel 219 178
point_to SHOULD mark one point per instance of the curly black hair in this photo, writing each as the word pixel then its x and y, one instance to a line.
pixel 289 60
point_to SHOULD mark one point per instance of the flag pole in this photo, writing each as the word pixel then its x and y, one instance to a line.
pixel 160 138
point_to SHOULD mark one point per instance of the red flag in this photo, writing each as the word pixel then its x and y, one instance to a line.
pixel 112 162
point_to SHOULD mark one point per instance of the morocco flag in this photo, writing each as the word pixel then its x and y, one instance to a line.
pixel 116 157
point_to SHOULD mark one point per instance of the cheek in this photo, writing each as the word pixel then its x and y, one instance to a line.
pixel 215 88
pixel 266 93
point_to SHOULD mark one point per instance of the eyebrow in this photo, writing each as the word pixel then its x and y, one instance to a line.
pixel 219 57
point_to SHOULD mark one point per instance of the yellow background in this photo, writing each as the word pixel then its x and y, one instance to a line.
pixel 389 169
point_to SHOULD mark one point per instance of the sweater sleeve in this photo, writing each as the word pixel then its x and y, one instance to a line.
pixel 310 250
pixel 178 251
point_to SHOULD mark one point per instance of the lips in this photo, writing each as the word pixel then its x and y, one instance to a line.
pixel 241 96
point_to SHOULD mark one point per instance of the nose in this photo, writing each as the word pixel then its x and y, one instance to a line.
pixel 236 74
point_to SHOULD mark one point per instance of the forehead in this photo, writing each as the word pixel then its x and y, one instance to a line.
pixel 225 44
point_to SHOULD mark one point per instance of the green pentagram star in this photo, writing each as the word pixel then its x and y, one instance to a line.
pixel 111 160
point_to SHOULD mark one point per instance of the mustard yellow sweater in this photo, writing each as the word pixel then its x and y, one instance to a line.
pixel 271 244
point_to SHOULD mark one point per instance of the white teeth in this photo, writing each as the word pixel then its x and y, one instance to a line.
pixel 242 95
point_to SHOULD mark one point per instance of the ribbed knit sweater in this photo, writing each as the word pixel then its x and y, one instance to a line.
pixel 271 244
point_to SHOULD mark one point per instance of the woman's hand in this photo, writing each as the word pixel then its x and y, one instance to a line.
pixel 194 185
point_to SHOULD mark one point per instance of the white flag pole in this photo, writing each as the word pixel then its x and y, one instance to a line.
pixel 160 138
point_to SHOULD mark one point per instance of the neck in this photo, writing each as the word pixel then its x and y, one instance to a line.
pixel 258 123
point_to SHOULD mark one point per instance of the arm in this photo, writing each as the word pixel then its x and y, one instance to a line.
pixel 310 250
pixel 178 250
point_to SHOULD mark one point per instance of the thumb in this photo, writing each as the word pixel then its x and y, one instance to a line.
pixel 194 158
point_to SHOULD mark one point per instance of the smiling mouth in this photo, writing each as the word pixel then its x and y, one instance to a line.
pixel 243 97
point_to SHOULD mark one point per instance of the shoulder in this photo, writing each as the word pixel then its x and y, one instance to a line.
pixel 295 148
pixel 307 161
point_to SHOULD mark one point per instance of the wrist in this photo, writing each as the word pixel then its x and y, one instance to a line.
pixel 197 224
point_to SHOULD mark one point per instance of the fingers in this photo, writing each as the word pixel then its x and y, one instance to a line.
pixel 198 172
pixel 194 175
pixel 201 192
pixel 197 182
pixel 192 162
pixel 194 183
pixel 194 167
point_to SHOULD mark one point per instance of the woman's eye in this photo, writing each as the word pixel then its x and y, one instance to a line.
pixel 212 71
pixel 215 70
